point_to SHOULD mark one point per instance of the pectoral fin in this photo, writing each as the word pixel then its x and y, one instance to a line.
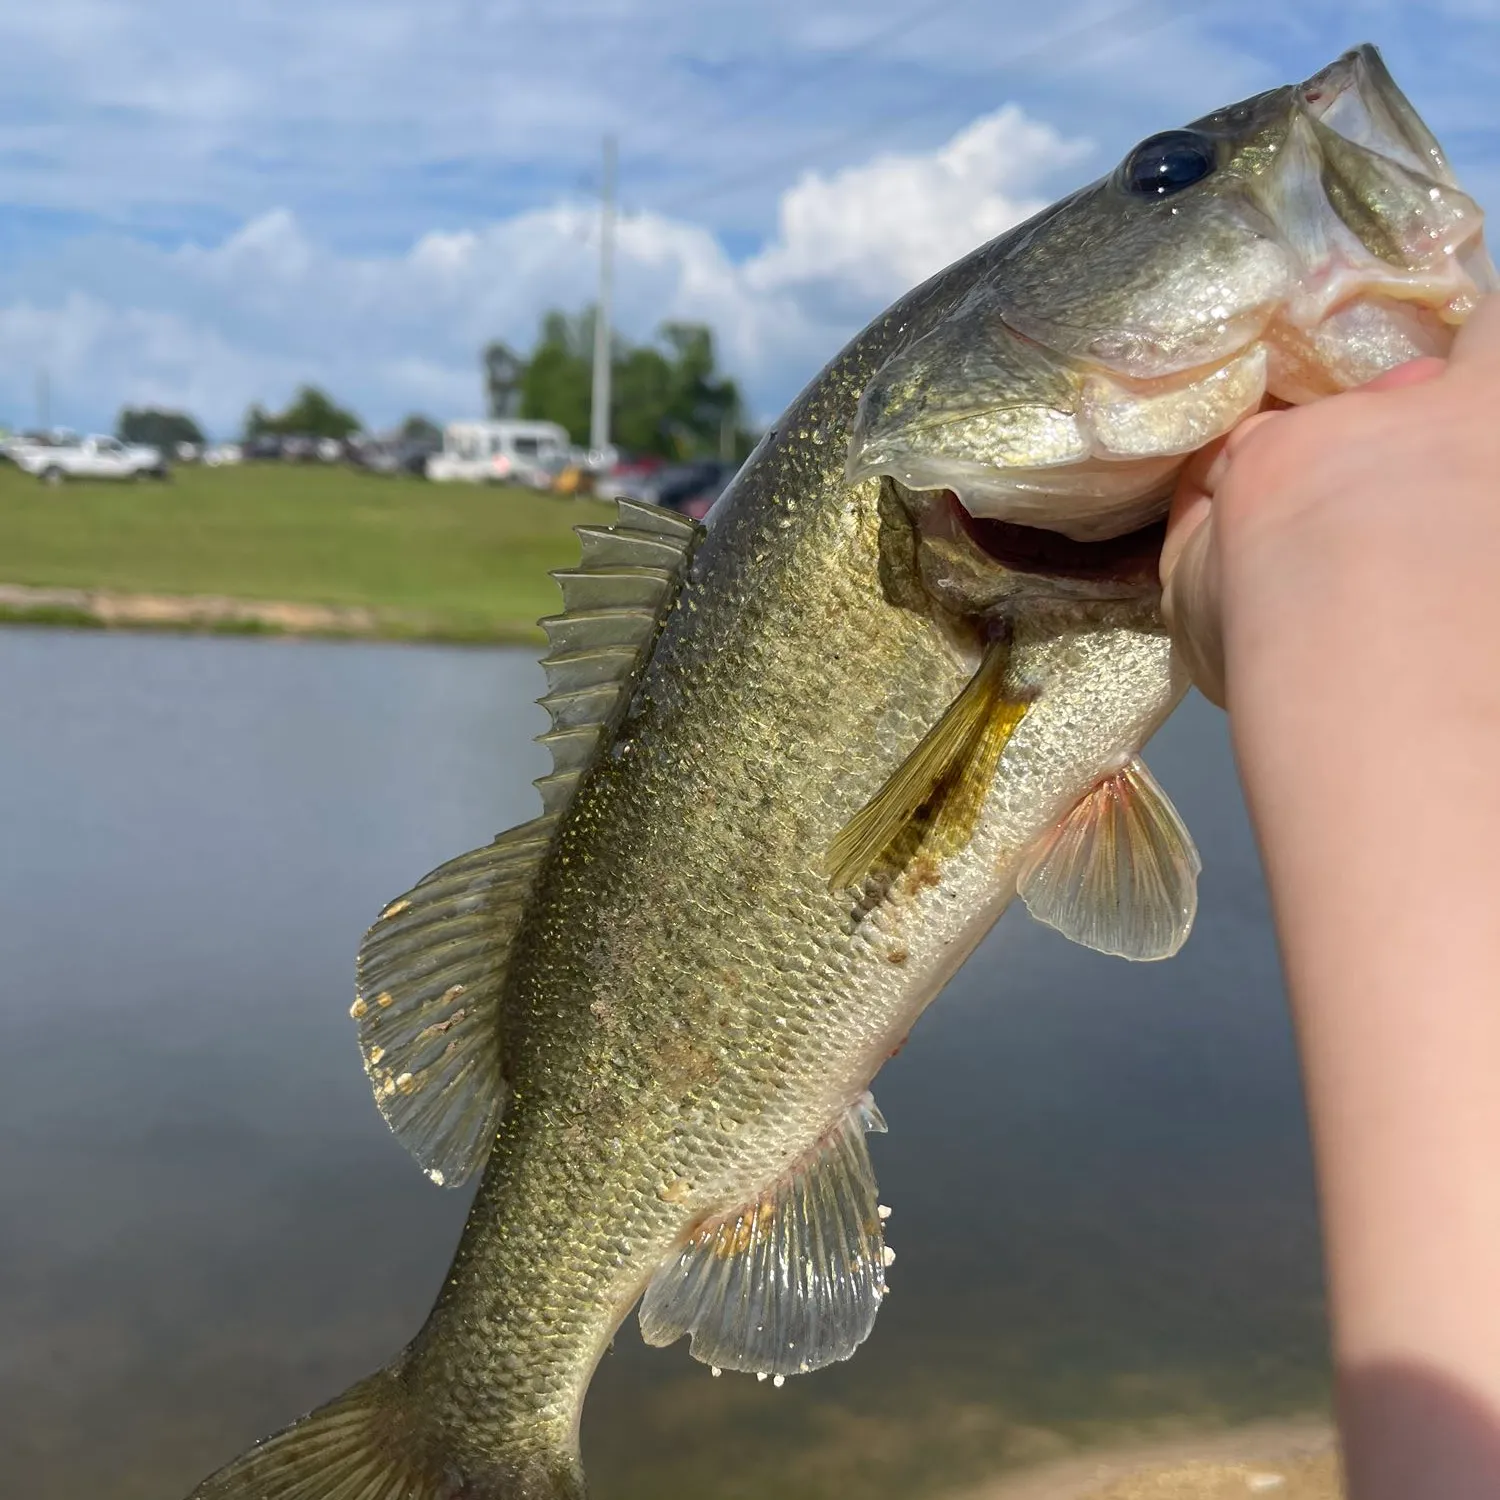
pixel 791 1282
pixel 1119 873
pixel 934 796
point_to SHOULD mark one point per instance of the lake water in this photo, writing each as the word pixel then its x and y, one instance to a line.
pixel 1102 1194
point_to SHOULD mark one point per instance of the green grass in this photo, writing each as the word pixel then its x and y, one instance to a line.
pixel 451 561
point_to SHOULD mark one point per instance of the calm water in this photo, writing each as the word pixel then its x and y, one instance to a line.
pixel 1102 1199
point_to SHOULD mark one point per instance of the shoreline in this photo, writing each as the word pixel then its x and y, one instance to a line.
pixel 1290 1459
pixel 219 614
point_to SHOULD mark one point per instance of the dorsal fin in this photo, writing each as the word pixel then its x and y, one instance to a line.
pixel 431 971
pixel 614 603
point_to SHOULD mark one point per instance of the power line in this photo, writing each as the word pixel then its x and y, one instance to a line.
pixel 1139 10
pixel 761 103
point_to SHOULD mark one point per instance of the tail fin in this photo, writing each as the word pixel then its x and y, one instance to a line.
pixel 365 1446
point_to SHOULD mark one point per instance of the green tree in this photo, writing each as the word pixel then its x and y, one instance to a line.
pixel 667 396
pixel 642 383
pixel 161 429
pixel 503 373
pixel 704 413
pixel 312 413
pixel 419 429
pixel 558 380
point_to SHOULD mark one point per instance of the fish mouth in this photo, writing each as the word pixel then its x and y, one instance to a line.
pixel 1371 289
pixel 975 566
pixel 1131 559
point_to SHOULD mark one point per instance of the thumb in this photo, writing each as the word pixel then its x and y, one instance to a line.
pixel 1190 602
pixel 1190 607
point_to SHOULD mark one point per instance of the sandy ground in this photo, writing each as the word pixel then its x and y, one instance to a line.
pixel 193 611
pixel 1281 1461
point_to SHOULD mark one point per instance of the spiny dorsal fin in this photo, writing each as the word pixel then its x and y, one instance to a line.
pixel 430 976
pixel 614 602
pixel 791 1282
pixel 933 798
pixel 1119 873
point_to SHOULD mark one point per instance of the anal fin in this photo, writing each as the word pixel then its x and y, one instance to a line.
pixel 430 975
pixel 1119 873
pixel 791 1282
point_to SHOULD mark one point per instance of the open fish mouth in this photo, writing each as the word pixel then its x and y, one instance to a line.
pixel 1132 558
pixel 1294 245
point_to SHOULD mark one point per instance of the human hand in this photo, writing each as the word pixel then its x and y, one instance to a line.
pixel 1348 462
pixel 1331 576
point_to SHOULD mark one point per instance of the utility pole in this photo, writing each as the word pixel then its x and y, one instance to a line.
pixel 43 401
pixel 599 410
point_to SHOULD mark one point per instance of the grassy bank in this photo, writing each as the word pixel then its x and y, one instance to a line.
pixel 445 561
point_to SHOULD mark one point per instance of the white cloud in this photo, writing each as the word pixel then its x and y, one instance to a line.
pixel 215 327
pixel 899 218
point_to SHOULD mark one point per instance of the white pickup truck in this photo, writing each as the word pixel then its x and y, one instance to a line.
pixel 88 458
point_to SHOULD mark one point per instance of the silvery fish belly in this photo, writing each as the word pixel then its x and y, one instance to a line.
pixel 804 759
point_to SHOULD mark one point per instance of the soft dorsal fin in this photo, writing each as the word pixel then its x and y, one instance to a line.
pixel 614 602
pixel 790 1282
pixel 1119 873
pixel 430 974
pixel 934 797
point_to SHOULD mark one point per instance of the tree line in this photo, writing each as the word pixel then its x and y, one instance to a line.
pixel 668 397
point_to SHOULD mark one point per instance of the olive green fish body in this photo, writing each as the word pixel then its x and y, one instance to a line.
pixel 693 1008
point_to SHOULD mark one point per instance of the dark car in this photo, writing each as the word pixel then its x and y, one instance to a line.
pixel 415 452
pixel 690 487
pixel 377 455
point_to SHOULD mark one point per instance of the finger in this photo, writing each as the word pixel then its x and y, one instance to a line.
pixel 1190 607
pixel 1413 372
pixel 1197 486
pixel 1191 506
pixel 1478 341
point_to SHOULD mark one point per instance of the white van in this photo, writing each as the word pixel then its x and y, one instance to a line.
pixel 512 452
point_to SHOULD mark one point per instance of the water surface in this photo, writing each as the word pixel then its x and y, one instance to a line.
pixel 1103 1210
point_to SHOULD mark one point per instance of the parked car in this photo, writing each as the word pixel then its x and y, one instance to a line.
pixel 54 438
pixel 376 455
pixel 510 452
pixel 150 461
pixel 690 487
pixel 216 455
pixel 628 478
pixel 415 452
pixel 93 457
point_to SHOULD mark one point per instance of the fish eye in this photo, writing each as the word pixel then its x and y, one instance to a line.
pixel 1166 163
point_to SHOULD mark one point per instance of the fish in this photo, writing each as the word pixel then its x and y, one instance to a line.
pixel 805 755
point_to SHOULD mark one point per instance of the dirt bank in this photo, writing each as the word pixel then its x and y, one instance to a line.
pixel 1280 1461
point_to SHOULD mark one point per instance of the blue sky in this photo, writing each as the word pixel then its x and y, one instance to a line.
pixel 205 205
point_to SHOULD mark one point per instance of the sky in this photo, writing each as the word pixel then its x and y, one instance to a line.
pixel 204 206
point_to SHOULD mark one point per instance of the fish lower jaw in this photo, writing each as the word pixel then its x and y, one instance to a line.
pixel 1446 293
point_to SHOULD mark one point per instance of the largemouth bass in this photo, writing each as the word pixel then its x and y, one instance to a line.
pixel 805 758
